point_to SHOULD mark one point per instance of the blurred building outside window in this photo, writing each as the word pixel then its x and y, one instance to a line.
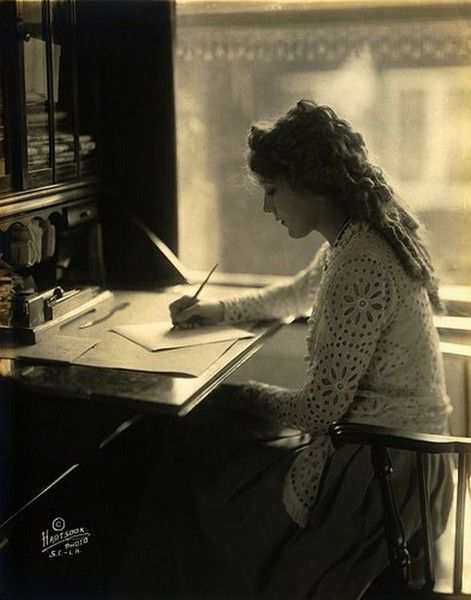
pixel 403 82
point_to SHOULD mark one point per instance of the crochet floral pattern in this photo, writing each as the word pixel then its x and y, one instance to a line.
pixel 361 302
pixel 337 385
pixel 372 352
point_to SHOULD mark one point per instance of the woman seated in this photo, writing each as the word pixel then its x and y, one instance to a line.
pixel 266 507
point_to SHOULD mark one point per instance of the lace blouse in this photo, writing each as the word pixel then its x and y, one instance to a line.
pixel 372 352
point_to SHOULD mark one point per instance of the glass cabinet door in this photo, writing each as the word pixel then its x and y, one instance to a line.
pixel 48 114
pixel 38 90
pixel 56 149
pixel 66 139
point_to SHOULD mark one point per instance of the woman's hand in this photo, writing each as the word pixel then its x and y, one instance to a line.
pixel 188 312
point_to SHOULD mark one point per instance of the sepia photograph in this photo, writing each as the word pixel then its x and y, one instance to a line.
pixel 235 299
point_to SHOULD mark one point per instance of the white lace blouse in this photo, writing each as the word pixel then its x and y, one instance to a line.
pixel 372 352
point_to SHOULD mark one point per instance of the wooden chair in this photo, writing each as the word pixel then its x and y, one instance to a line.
pixel 399 586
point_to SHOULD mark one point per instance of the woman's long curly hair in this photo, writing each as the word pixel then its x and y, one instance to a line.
pixel 315 150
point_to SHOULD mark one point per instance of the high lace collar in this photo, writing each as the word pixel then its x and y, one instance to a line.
pixel 341 232
pixel 348 231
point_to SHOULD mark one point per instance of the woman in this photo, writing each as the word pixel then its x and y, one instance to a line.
pixel 281 513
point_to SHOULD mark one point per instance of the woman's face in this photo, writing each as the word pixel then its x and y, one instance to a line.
pixel 295 210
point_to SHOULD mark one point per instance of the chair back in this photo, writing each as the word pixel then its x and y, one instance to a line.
pixel 382 438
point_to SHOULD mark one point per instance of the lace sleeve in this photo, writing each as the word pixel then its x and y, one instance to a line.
pixel 352 316
pixel 276 302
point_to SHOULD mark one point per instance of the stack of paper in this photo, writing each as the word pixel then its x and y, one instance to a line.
pixel 159 336
pixel 58 348
pixel 155 348
pixel 192 360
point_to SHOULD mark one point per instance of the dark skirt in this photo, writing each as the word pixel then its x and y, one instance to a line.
pixel 215 514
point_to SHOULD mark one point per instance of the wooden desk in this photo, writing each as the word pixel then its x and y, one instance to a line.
pixel 128 394
pixel 142 391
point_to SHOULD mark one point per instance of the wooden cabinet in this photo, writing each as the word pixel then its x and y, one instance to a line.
pixel 45 134
pixel 5 101
pixel 49 93
pixel 5 158
pixel 87 114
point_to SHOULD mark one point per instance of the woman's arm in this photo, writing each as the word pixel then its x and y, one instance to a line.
pixel 354 312
pixel 293 298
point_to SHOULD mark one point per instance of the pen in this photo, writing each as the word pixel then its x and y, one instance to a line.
pixel 198 291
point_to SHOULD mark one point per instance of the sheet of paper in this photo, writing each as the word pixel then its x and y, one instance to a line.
pixel 160 336
pixel 58 348
pixel 192 360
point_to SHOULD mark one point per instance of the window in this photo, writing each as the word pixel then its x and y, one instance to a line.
pixel 402 77
pixel 412 139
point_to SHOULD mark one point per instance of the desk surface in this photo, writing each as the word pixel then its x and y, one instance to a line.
pixel 143 391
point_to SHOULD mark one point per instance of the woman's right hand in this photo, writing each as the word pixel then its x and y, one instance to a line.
pixel 188 312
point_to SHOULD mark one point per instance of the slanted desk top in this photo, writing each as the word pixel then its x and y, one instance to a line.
pixel 142 391
pixel 84 388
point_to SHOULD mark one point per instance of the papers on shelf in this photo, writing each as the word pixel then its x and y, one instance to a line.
pixel 160 336
pixel 58 348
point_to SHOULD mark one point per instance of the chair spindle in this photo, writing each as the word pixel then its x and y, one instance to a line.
pixel 426 521
pixel 394 529
pixel 459 536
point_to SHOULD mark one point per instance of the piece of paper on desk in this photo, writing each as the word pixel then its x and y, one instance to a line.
pixel 159 336
pixel 58 348
pixel 192 360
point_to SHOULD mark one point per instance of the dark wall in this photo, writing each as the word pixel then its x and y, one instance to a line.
pixel 126 48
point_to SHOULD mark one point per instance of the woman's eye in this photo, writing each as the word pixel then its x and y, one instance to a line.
pixel 270 192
